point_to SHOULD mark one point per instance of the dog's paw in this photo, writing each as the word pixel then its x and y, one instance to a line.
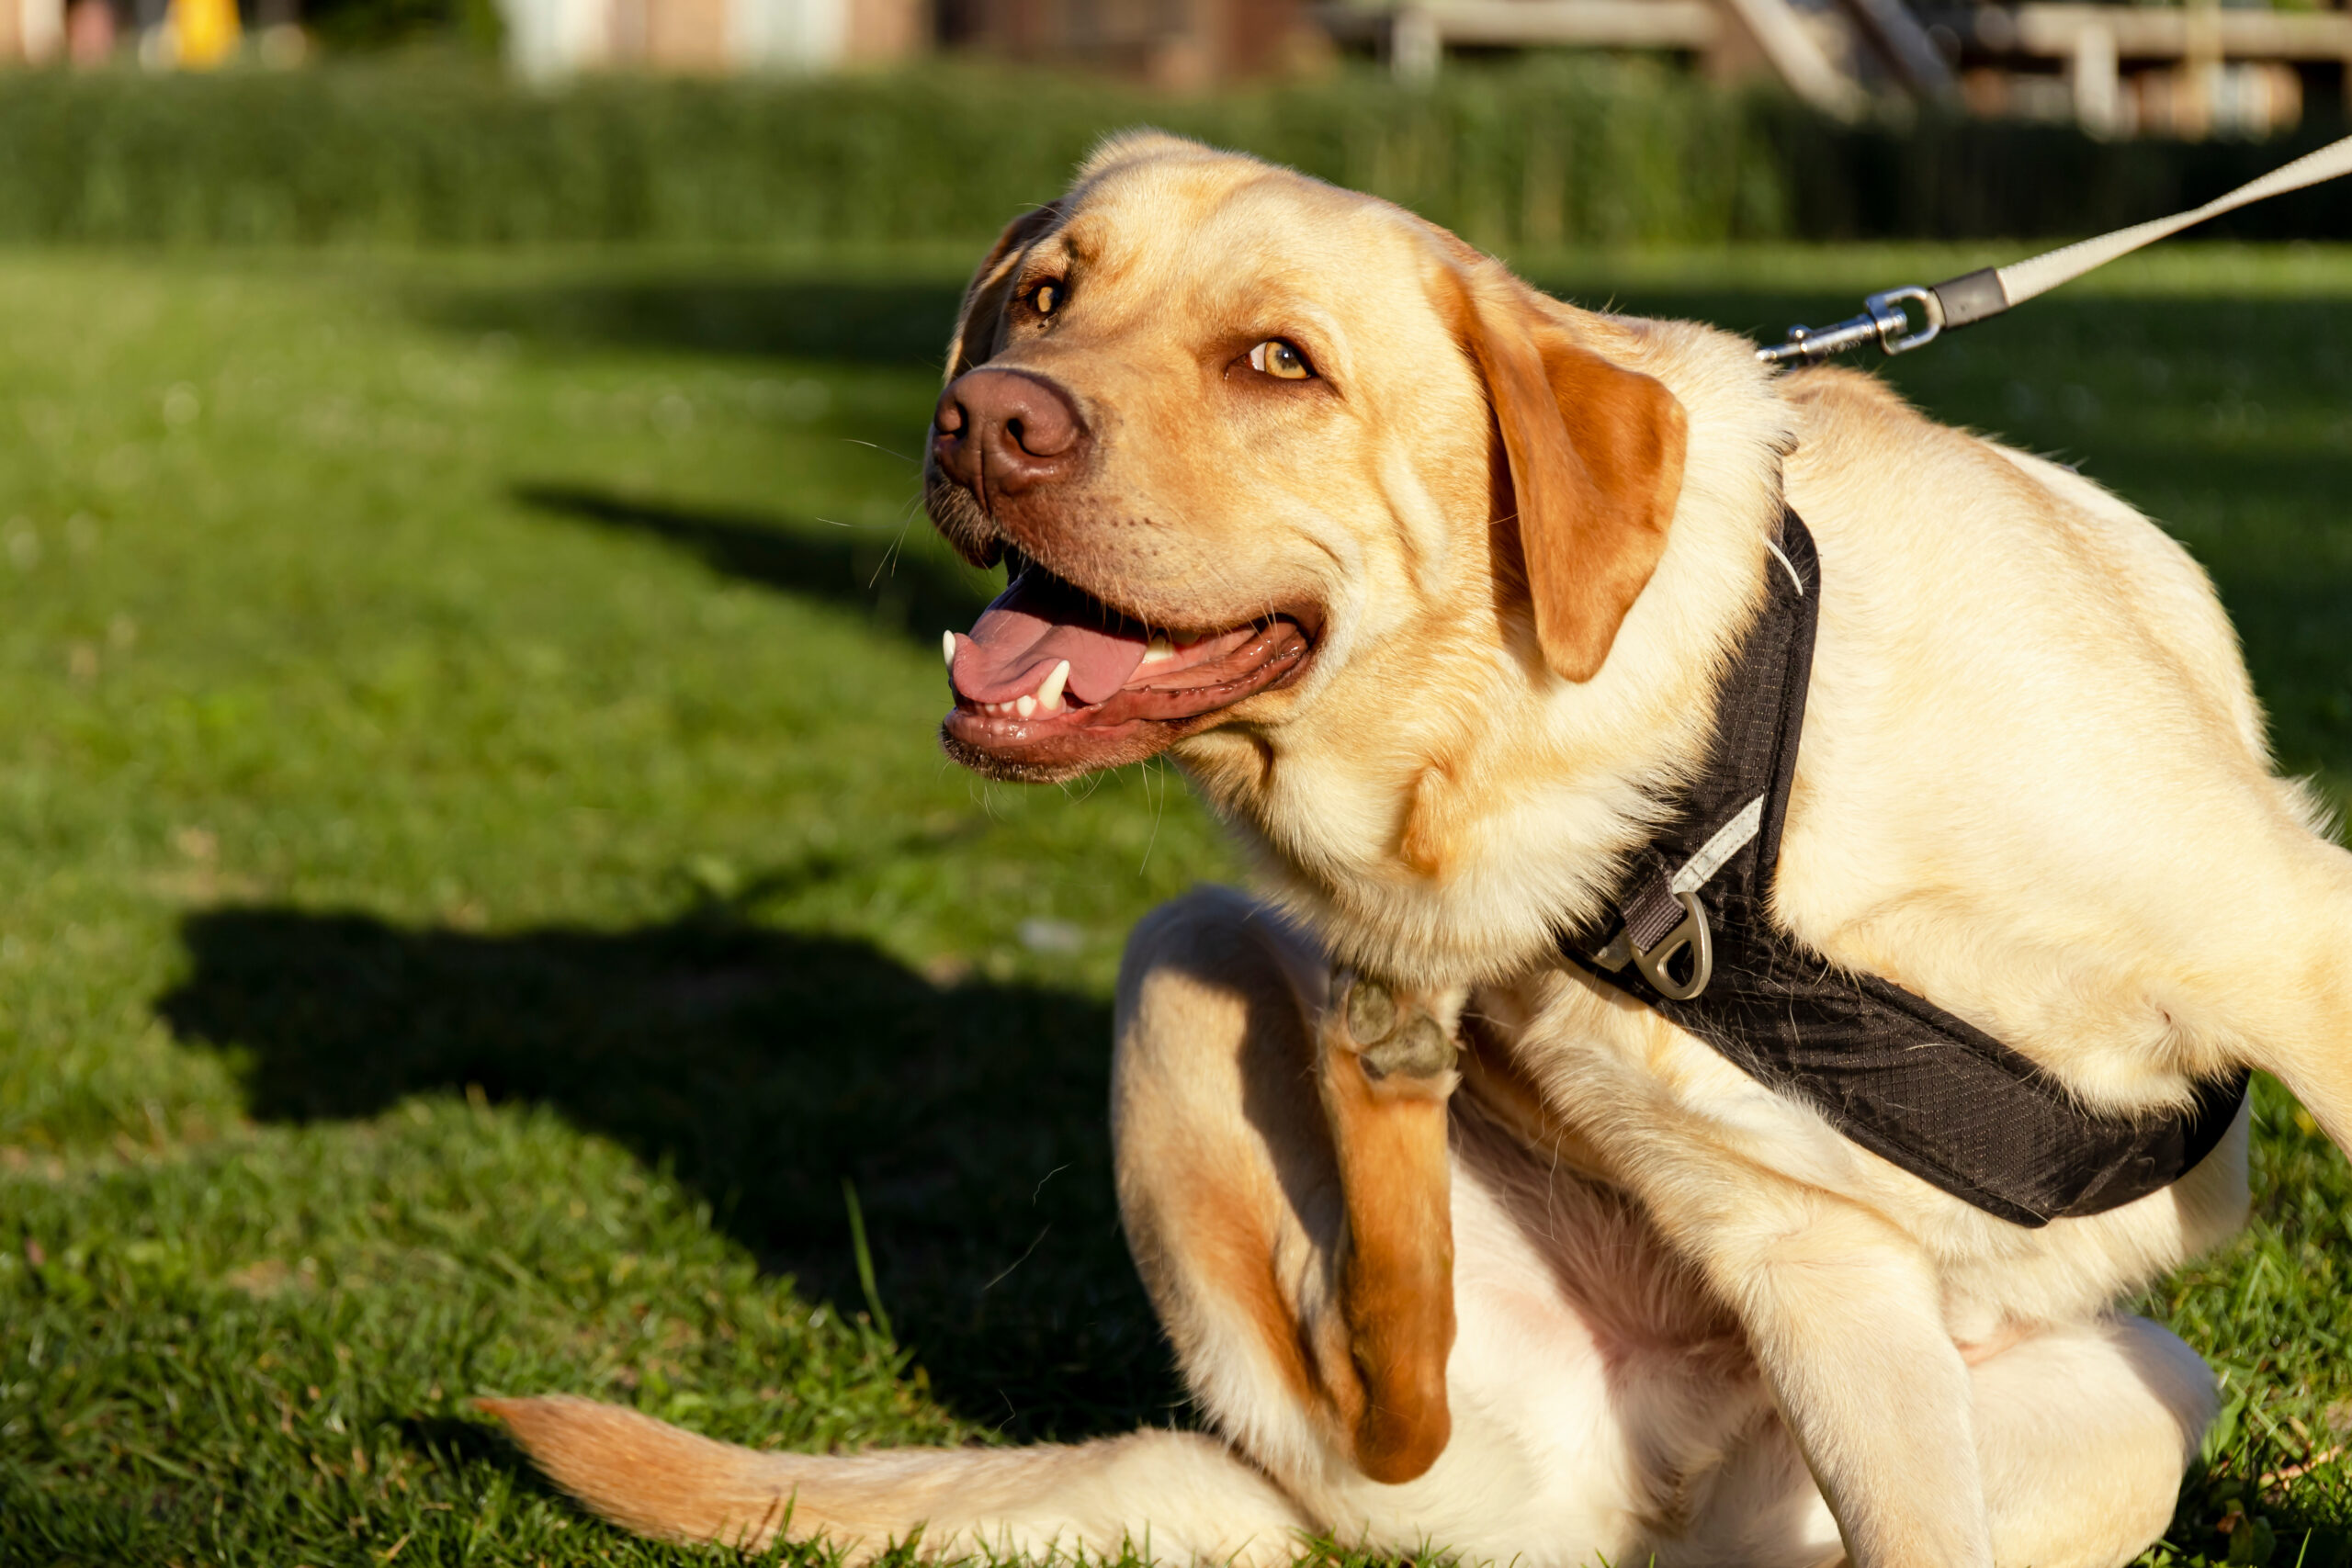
pixel 1394 1036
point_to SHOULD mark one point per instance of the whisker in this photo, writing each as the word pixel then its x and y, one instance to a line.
pixel 886 451
pixel 888 563
pixel 1144 770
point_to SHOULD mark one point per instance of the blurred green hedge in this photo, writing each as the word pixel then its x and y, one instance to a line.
pixel 1546 152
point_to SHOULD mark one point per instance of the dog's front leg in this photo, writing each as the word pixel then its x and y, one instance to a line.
pixel 1386 1066
pixel 1847 1321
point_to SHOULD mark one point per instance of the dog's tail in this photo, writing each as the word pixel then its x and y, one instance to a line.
pixel 1173 1497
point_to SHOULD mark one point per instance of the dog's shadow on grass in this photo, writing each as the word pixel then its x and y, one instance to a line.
pixel 904 582
pixel 747 314
pixel 762 1066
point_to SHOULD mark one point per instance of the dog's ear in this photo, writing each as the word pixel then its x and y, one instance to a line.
pixel 1596 466
pixel 983 313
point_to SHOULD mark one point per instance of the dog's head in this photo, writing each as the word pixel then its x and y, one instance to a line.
pixel 1238 433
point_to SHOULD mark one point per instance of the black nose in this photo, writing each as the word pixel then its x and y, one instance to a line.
pixel 1003 431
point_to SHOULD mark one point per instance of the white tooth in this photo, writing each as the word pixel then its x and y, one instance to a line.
pixel 1157 650
pixel 947 647
pixel 1026 705
pixel 1049 695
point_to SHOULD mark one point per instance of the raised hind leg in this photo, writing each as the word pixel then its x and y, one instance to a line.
pixel 1283 1175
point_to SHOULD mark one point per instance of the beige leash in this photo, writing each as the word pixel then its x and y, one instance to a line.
pixel 1975 295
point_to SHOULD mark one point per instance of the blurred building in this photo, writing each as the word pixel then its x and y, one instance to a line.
pixel 1175 44
pixel 2197 69
pixel 1832 53
pixel 553 37
pixel 2189 68
pixel 32 32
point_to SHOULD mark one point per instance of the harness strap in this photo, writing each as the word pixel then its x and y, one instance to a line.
pixel 1927 1091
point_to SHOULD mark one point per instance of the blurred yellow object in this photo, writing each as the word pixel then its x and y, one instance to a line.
pixel 207 31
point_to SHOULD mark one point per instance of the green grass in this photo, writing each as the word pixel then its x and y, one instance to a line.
pixel 481 880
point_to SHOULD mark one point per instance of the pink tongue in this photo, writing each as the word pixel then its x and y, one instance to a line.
pixel 1035 624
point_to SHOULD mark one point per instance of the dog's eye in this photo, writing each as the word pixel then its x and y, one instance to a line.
pixel 1045 299
pixel 1281 360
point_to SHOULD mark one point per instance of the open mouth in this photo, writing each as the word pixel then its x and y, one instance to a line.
pixel 1051 682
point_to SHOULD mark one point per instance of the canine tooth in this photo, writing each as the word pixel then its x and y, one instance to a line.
pixel 1049 695
pixel 1158 649
pixel 947 647
pixel 1026 705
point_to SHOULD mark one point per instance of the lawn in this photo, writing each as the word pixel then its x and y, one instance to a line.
pixel 488 914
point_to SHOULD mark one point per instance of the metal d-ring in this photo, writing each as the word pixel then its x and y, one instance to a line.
pixel 1895 333
pixel 1691 933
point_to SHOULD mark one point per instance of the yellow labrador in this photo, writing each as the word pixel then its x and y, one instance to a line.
pixel 1604 1404
pixel 1428 580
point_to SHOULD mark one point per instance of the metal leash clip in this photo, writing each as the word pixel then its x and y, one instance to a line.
pixel 1981 295
pixel 1886 322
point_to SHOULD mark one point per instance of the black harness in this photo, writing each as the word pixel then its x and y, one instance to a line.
pixel 1893 1072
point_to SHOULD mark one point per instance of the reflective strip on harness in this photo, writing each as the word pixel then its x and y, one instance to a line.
pixel 1730 838
pixel 1894 1073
